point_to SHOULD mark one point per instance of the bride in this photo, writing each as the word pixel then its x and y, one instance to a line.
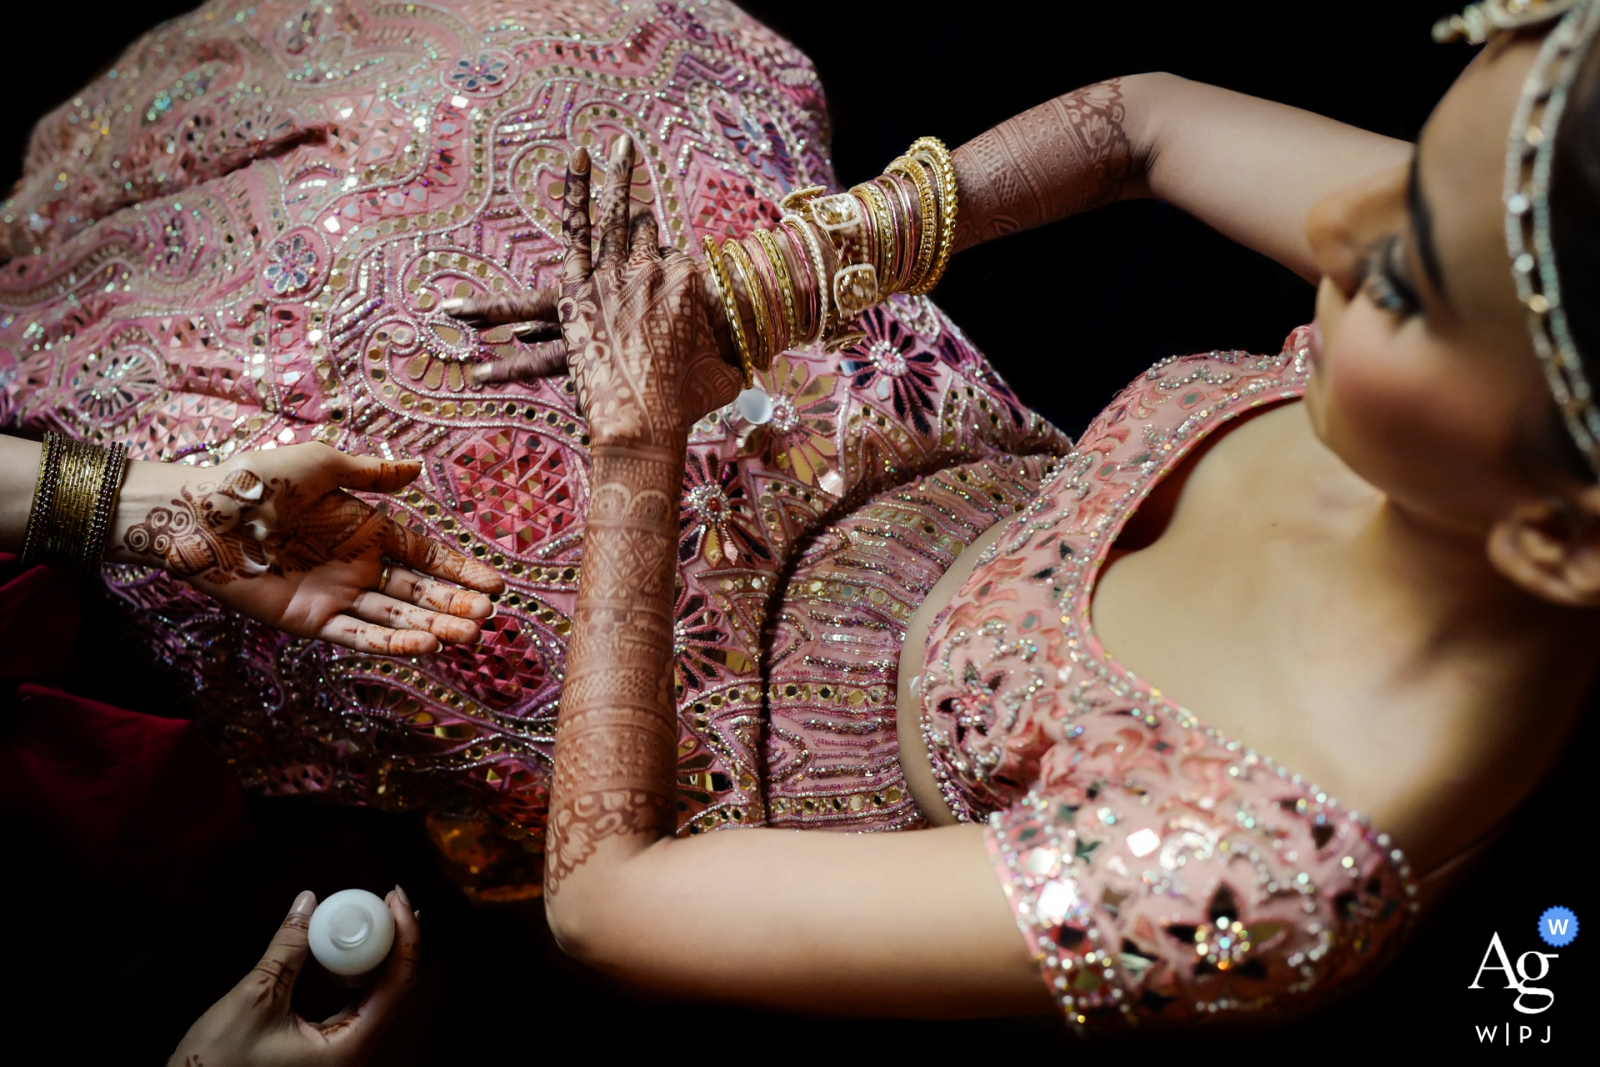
pixel 1368 563
pixel 901 600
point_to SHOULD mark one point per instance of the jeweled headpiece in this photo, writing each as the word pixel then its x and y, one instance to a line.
pixel 1530 149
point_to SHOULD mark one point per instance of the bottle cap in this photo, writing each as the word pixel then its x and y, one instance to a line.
pixel 351 932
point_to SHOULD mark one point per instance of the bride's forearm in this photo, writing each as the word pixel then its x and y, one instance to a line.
pixel 1249 168
pixel 614 788
pixel 1063 157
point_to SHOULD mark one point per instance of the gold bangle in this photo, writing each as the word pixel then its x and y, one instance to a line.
pixel 882 231
pixel 819 270
pixel 928 205
pixel 761 354
pixel 780 268
pixel 43 496
pixel 73 502
pixel 931 152
pixel 719 277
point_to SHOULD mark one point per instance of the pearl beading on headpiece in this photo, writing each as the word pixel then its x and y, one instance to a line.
pixel 1530 150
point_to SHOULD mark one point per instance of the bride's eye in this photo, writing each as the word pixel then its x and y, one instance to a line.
pixel 1384 281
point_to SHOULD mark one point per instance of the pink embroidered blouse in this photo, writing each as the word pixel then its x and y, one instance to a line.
pixel 1158 870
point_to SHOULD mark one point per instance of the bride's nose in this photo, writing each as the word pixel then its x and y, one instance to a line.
pixel 1343 226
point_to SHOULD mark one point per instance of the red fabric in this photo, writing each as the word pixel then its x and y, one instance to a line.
pixel 103 791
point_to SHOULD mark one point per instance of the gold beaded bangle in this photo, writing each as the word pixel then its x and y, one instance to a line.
pixel 761 353
pixel 931 152
pixel 882 231
pixel 73 503
pixel 780 268
pixel 719 277
pixel 43 495
pixel 927 243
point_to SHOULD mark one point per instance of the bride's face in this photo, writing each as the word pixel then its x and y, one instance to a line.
pixel 1425 381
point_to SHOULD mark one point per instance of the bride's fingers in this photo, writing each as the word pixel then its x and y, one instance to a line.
pixel 644 236
pixel 536 331
pixel 530 305
pixel 437 596
pixel 613 219
pixel 397 614
pixel 538 361
pixel 424 554
pixel 576 264
pixel 378 640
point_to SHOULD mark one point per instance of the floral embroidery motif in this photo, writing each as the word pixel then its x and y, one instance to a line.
pixel 890 367
pixel 112 381
pixel 289 265
pixel 718 521
pixel 799 438
pixel 475 73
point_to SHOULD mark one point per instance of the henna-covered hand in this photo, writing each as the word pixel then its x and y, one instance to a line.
pixel 646 363
pixel 644 268
pixel 634 319
pixel 275 536
pixel 254 1026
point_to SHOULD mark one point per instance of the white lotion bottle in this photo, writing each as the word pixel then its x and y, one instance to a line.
pixel 351 933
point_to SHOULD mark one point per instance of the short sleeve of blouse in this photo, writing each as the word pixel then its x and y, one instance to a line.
pixel 1160 874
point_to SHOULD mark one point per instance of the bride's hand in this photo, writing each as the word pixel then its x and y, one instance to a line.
pixel 274 535
pixel 634 319
pixel 532 316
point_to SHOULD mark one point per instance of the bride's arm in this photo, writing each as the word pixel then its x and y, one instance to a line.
pixel 911 923
pixel 1247 167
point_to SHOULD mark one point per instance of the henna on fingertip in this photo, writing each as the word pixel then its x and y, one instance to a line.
pixel 538 331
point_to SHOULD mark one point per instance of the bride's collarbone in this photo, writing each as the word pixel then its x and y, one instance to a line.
pixel 1245 609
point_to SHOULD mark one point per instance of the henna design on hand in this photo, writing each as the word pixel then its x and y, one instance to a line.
pixel 530 305
pixel 198 535
pixel 1063 157
pixel 647 367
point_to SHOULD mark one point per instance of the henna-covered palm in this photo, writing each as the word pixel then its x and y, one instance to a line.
pixel 275 536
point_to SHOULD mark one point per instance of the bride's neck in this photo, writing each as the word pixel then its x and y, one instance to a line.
pixel 1459 601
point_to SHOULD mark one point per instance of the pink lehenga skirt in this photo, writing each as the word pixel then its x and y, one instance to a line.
pixel 239 238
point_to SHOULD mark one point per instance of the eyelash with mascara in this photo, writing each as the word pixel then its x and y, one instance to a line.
pixel 1383 281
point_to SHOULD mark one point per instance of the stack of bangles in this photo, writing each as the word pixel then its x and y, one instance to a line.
pixel 74 503
pixel 834 256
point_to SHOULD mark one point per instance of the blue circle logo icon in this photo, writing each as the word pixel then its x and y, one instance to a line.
pixel 1558 926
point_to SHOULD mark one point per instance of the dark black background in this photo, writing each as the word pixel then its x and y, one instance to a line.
pixel 105 973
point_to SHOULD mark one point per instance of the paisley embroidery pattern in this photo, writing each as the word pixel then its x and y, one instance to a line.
pixel 268 204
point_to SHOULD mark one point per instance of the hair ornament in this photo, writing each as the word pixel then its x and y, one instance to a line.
pixel 1481 21
pixel 1530 152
